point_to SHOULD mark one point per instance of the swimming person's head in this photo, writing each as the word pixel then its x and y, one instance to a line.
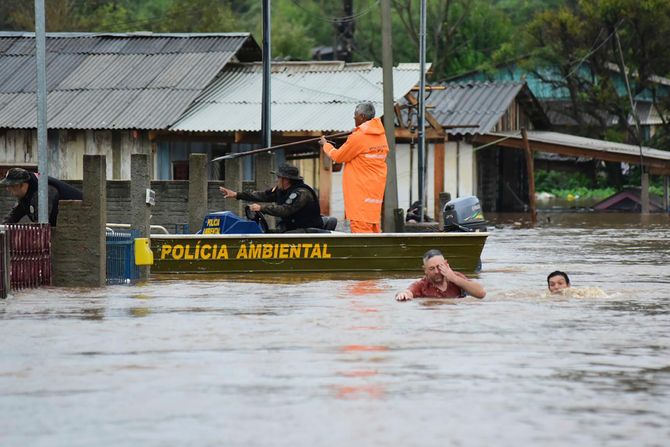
pixel 557 281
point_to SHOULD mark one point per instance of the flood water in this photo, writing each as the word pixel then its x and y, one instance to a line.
pixel 335 361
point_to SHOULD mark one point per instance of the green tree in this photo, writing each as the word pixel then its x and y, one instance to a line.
pixel 199 16
pixel 60 15
pixel 582 43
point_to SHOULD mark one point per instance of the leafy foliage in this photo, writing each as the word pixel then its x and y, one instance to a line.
pixel 591 44
pixel 462 34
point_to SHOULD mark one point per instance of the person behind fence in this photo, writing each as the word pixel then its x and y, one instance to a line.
pixel 364 177
pixel 295 202
pixel 22 185
pixel 440 281
pixel 413 213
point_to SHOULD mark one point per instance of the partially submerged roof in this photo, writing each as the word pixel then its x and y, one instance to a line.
pixel 114 81
pixel 628 200
pixel 306 96
pixel 480 104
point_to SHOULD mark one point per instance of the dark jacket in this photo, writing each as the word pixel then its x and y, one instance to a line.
pixel 298 207
pixel 28 205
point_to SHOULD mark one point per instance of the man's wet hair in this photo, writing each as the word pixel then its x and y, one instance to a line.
pixel 367 109
pixel 431 254
pixel 558 273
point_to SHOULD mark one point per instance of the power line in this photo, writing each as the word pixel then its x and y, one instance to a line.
pixel 593 50
pixel 337 19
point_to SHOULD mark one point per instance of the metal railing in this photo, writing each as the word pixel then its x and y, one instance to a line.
pixel 155 229
pixel 121 268
pixel 26 253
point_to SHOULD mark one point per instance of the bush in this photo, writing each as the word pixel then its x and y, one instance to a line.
pixel 546 181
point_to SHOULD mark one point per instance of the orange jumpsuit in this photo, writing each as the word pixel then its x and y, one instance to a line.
pixel 364 177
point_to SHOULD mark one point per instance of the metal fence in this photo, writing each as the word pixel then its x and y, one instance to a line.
pixel 26 256
pixel 121 268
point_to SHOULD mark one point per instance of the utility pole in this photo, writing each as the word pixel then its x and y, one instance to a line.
pixel 42 162
pixel 266 113
pixel 344 33
pixel 644 176
pixel 422 111
pixel 391 193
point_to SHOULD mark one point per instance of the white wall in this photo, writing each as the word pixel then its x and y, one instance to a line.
pixel 403 175
pixel 450 165
pixel 459 178
pixel 466 170
pixel 403 169
pixel 337 197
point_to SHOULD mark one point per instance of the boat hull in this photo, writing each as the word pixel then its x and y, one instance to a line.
pixel 336 252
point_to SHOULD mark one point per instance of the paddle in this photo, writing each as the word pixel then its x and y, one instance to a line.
pixel 278 146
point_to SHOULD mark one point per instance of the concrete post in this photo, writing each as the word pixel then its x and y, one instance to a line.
pixel 444 198
pixel 264 164
pixel 391 191
pixel 399 220
pixel 79 243
pixel 265 179
pixel 140 211
pixel 197 190
pixel 233 177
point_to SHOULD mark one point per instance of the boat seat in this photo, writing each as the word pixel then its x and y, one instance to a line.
pixel 329 222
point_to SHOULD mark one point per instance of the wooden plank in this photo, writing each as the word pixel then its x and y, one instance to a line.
pixel 438 176
pixel 405 135
pixel 530 168
pixel 325 183
pixel 429 117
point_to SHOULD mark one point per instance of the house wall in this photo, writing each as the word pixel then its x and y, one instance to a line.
pixel 18 146
pixel 450 164
pixel 466 169
pixel 502 182
pixel 174 151
pixel 66 149
pixel 407 170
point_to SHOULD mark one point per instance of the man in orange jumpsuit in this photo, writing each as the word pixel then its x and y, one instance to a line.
pixel 364 178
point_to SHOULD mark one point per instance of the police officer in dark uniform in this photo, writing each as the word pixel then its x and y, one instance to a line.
pixel 294 201
pixel 23 186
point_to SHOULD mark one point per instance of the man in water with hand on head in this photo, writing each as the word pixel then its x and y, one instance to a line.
pixel 440 281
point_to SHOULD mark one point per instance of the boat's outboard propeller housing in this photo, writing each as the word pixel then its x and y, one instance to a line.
pixel 464 214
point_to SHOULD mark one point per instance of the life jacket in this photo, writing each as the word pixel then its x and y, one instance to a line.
pixel 309 216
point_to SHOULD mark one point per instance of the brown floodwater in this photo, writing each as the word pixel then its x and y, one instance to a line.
pixel 334 361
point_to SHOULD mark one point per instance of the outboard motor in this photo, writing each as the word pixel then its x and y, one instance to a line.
pixel 464 214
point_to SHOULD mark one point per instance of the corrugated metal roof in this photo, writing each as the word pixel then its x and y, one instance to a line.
pixel 562 139
pixel 314 96
pixel 107 81
pixel 561 113
pixel 480 103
